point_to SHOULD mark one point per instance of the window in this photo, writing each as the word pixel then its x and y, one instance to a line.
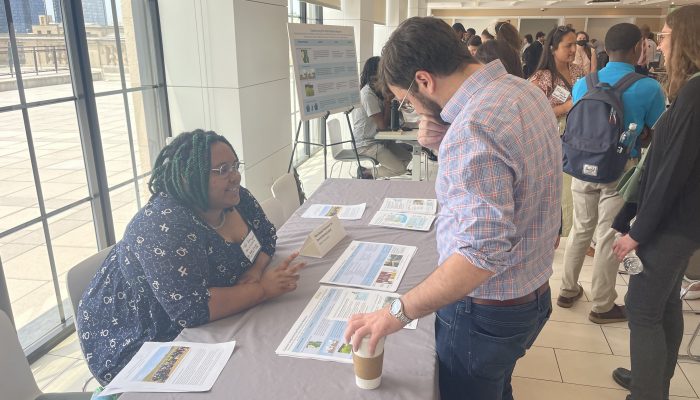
pixel 84 111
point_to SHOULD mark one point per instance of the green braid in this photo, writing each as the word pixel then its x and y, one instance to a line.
pixel 183 167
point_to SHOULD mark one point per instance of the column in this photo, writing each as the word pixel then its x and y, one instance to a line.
pixel 417 8
pixel 396 12
pixel 227 69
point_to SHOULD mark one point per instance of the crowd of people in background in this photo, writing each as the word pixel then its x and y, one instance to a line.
pixel 660 224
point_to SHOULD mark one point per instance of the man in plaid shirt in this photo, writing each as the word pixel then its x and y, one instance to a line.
pixel 498 185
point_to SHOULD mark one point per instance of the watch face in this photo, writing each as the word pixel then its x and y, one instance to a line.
pixel 395 307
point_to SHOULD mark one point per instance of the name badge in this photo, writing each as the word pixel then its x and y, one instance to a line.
pixel 250 246
pixel 561 94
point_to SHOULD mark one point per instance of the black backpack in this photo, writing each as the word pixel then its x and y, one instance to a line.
pixel 593 129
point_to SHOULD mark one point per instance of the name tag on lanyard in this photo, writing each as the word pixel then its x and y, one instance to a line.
pixel 250 246
pixel 561 94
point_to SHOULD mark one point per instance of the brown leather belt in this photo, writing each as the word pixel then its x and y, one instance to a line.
pixel 513 302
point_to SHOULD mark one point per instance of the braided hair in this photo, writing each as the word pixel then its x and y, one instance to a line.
pixel 182 168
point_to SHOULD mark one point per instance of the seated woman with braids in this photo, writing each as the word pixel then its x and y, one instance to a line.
pixel 197 252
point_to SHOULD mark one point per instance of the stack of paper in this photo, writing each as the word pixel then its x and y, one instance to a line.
pixel 412 214
pixel 371 265
pixel 318 332
pixel 172 367
pixel 340 211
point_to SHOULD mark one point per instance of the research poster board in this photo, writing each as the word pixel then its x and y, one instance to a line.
pixel 325 68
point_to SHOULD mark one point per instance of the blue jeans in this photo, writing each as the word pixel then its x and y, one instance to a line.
pixel 478 345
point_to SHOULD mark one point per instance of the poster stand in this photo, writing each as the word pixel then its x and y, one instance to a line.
pixel 325 145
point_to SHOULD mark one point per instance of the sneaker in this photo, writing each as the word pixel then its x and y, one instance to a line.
pixel 567 302
pixel 616 314
pixel 623 377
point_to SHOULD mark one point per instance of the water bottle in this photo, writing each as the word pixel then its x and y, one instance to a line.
pixel 627 138
pixel 632 264
pixel 394 115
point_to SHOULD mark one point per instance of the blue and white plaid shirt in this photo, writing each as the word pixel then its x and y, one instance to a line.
pixel 499 182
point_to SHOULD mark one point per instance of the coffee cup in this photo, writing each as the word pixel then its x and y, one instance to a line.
pixel 368 367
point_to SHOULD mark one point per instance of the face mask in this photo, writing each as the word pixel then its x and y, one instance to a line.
pixel 582 42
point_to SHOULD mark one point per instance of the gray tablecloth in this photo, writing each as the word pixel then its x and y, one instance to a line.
pixel 256 372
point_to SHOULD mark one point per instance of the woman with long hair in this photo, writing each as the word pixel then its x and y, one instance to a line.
pixel 666 231
pixel 373 115
pixel 500 50
pixel 557 73
pixel 507 32
pixel 585 57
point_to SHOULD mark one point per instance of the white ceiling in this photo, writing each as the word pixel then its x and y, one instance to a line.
pixel 490 4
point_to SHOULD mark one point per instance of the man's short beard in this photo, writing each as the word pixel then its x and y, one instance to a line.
pixel 433 108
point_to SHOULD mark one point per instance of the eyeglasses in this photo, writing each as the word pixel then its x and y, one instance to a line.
pixel 226 169
pixel 406 95
pixel 662 36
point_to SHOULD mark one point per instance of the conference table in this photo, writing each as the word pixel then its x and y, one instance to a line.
pixel 408 137
pixel 254 371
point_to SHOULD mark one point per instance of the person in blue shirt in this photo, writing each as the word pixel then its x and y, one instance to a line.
pixel 597 204
pixel 198 251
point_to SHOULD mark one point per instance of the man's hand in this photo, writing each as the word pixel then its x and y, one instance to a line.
pixel 623 246
pixel 431 132
pixel 377 324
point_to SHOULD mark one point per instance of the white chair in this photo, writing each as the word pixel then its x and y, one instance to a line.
pixel 285 190
pixel 341 154
pixel 78 277
pixel 274 211
pixel 16 378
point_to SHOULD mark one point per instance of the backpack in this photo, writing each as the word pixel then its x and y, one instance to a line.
pixel 593 128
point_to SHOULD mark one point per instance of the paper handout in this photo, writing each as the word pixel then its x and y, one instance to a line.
pixel 172 367
pixel 370 265
pixel 402 220
pixel 330 210
pixel 418 206
pixel 318 332
pixel 322 239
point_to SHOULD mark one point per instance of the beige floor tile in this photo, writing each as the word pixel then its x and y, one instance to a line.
pixel 684 346
pixel 690 322
pixel 538 363
pixel 692 373
pixel 620 289
pixel 566 335
pixel 533 389
pixel 618 339
pixel 578 313
pixel 694 304
pixel 591 369
pixel 72 380
pixel 70 347
pixel 49 367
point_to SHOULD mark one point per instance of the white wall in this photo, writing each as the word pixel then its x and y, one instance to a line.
pixel 226 64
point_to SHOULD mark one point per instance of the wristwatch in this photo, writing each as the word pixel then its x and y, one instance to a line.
pixel 396 310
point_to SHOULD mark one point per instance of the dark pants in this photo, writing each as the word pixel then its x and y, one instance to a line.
pixel 654 310
pixel 478 345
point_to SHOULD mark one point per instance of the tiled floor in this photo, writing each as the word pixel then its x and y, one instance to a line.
pixel 572 358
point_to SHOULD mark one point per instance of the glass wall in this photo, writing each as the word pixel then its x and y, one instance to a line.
pixel 84 112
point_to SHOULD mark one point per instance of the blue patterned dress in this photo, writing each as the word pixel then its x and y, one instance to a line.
pixel 155 281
